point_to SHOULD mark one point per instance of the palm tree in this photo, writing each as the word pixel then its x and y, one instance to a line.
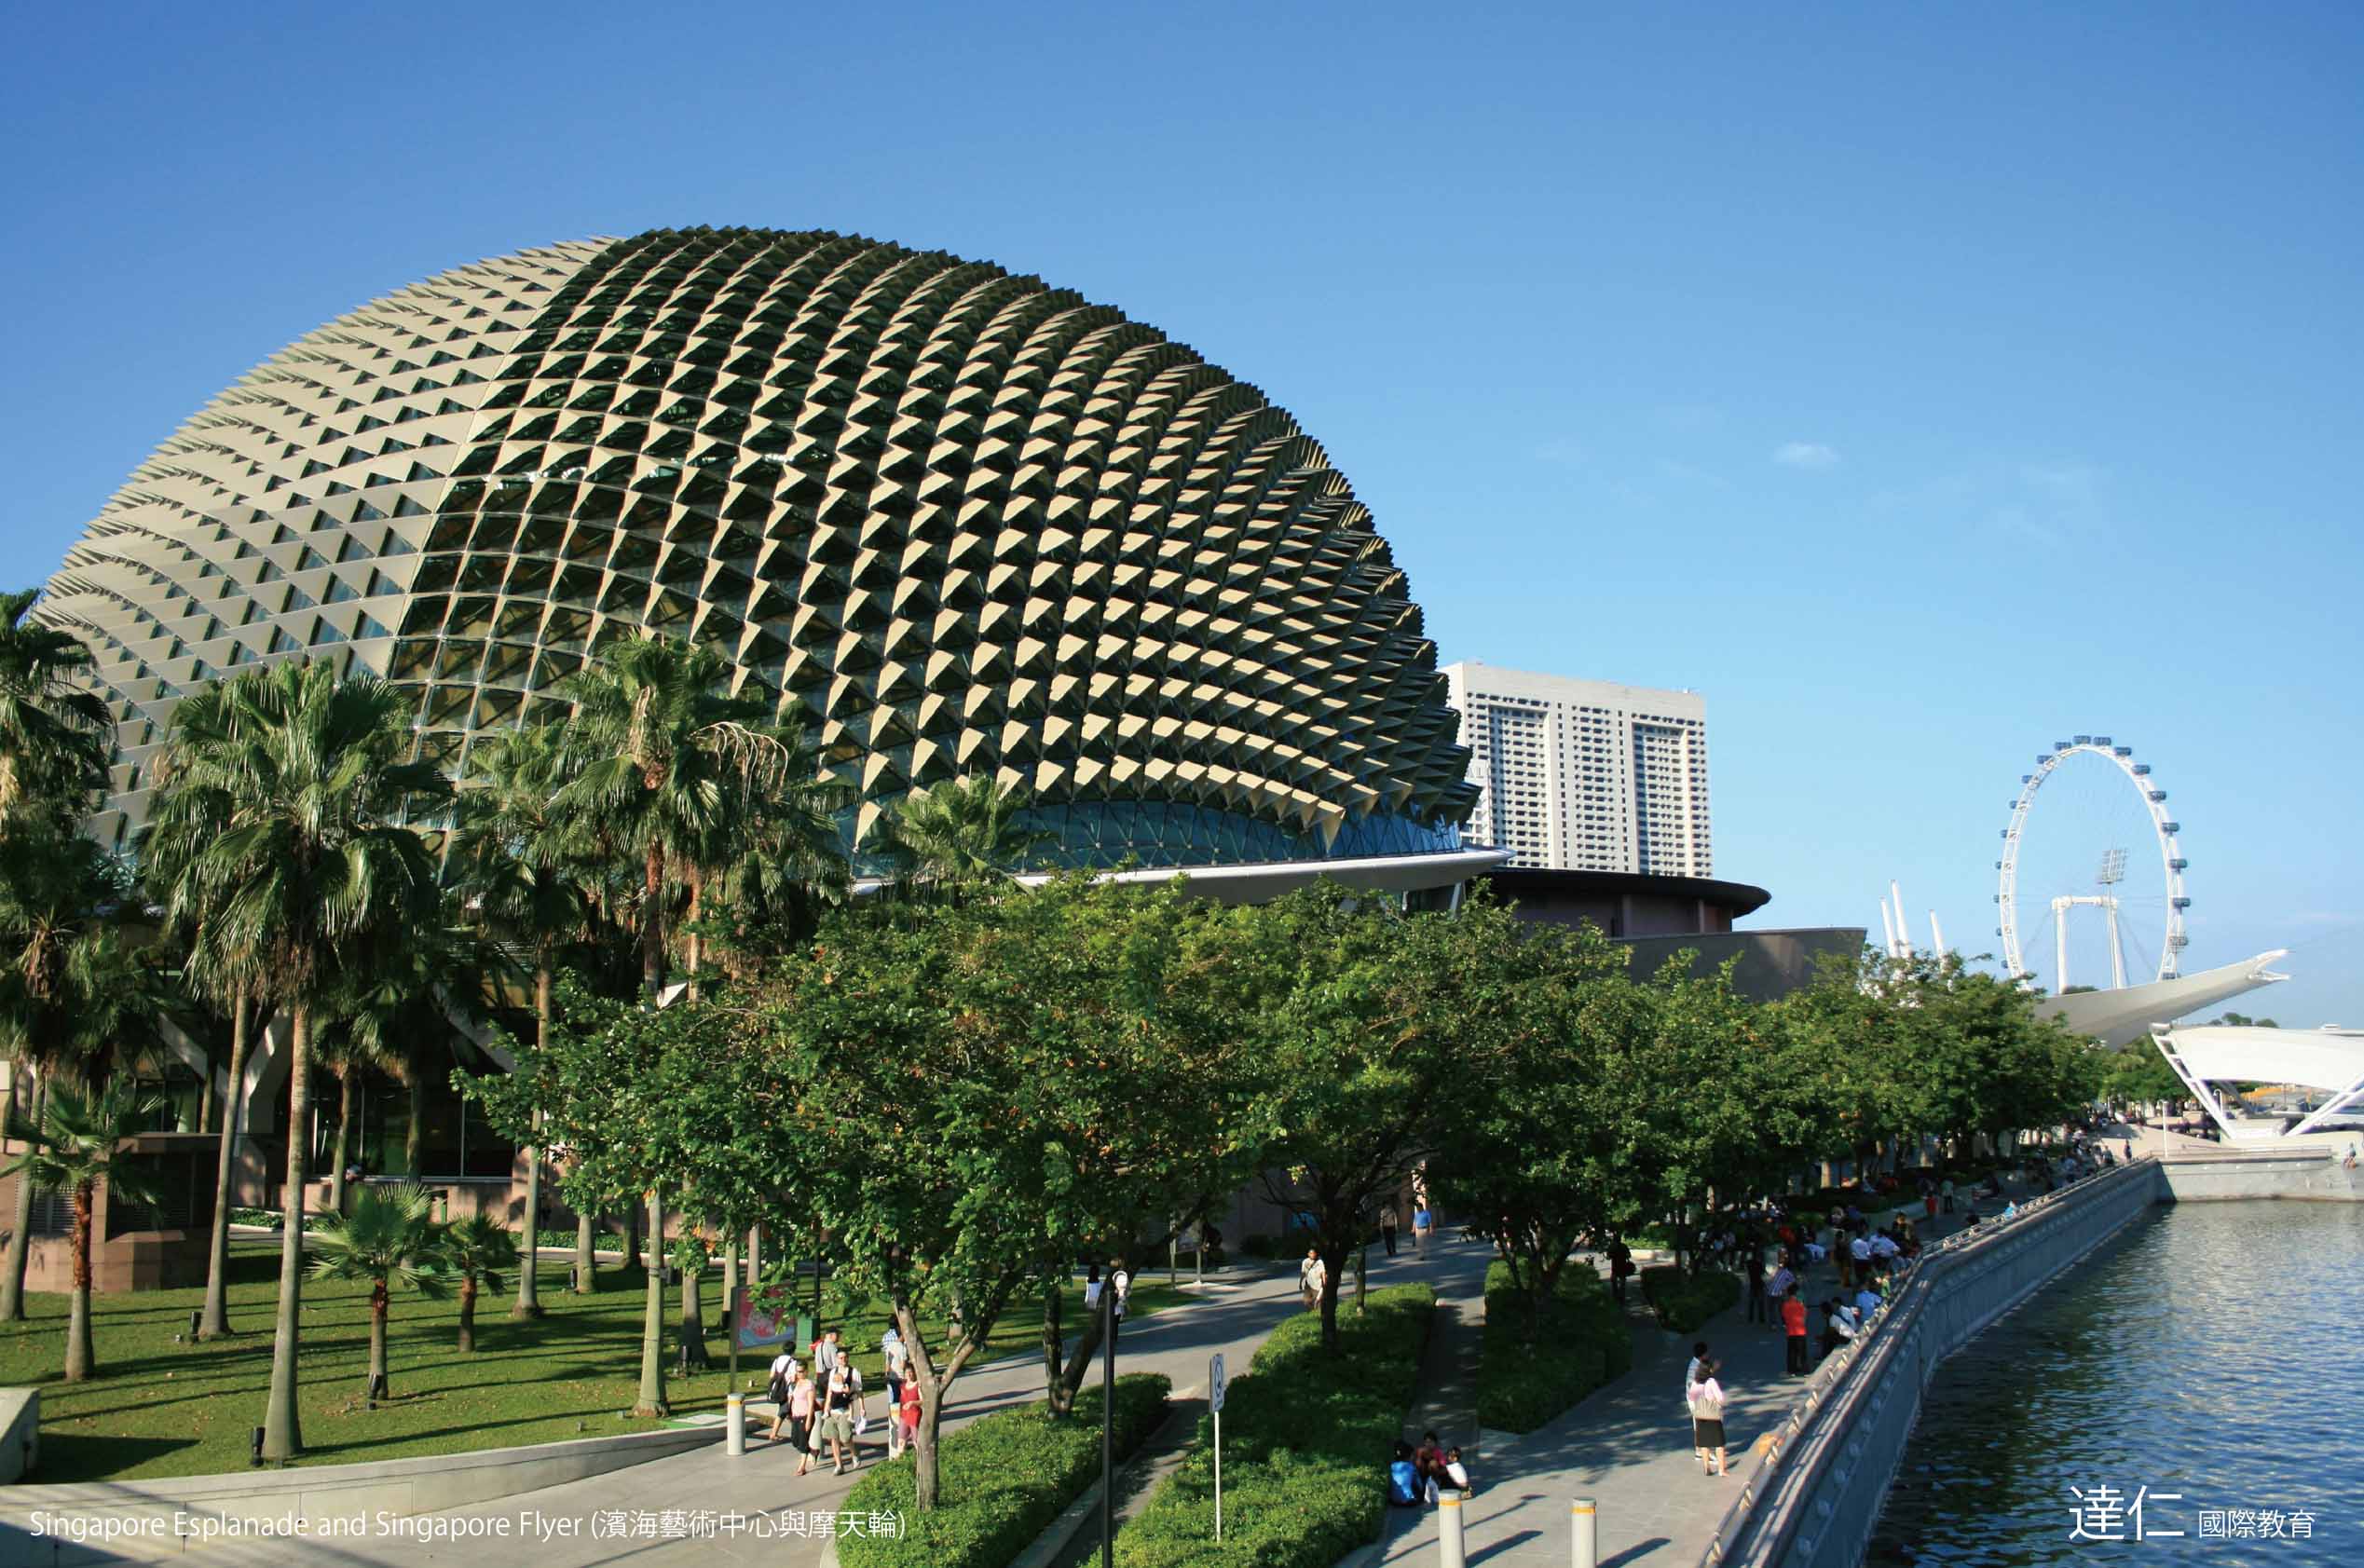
pixel 53 728
pixel 520 859
pixel 76 1145
pixel 957 839
pixel 59 986
pixel 476 1249
pixel 314 855
pixel 390 1234
pixel 181 822
pixel 667 761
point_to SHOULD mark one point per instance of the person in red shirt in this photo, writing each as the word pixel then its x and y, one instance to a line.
pixel 1793 1332
pixel 909 1412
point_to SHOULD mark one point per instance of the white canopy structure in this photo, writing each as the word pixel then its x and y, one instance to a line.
pixel 2329 1059
pixel 2118 1017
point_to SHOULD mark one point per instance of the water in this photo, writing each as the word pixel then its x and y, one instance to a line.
pixel 2211 1350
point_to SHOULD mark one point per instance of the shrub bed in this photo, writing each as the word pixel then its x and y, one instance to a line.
pixel 1682 1301
pixel 1582 1343
pixel 1003 1478
pixel 1305 1444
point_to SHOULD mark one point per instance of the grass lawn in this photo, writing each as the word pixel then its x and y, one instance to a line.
pixel 161 1408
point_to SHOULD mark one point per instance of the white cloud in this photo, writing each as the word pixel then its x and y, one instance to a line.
pixel 1805 455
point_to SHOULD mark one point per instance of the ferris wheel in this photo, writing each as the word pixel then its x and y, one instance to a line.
pixel 2090 848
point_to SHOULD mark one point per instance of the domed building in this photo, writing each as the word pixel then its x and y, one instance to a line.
pixel 970 524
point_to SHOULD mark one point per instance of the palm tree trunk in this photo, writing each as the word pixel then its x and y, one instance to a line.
pixel 344 1134
pixel 282 1431
pixel 216 1318
pixel 206 1097
pixel 652 924
pixel 378 1382
pixel 697 891
pixel 584 1285
pixel 529 1267
pixel 77 1331
pixel 653 1327
pixel 21 1232
pixel 468 1311
pixel 415 1140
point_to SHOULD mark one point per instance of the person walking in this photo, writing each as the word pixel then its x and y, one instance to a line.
pixel 1091 1286
pixel 1312 1277
pixel 1706 1403
pixel 837 1416
pixel 1793 1332
pixel 801 1398
pixel 1946 1196
pixel 897 1359
pixel 1387 1227
pixel 1621 1258
pixel 906 1415
pixel 1120 1290
pixel 1422 1223
pixel 779 1385
pixel 1757 1308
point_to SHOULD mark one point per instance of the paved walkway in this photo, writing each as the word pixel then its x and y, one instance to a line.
pixel 1628 1447
pixel 1239 1311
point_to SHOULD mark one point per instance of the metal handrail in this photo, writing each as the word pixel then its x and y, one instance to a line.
pixel 1894 1317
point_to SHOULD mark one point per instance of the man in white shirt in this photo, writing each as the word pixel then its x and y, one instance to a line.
pixel 824 1356
pixel 1779 1285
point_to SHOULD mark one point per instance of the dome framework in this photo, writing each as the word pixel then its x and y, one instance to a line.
pixel 969 523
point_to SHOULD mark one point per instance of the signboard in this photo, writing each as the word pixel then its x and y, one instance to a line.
pixel 767 1317
pixel 1216 1382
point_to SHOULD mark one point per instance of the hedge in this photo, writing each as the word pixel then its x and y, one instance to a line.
pixel 1682 1301
pixel 1003 1479
pixel 1306 1439
pixel 1583 1343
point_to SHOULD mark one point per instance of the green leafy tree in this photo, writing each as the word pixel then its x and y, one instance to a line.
pixel 619 1088
pixel 76 1145
pixel 314 853
pixel 478 1249
pixel 390 1237
pixel 1357 1011
pixel 1531 1150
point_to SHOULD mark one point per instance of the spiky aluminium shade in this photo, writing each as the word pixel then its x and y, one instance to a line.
pixel 972 523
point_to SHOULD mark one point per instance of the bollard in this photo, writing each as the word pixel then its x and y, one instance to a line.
pixel 1584 1537
pixel 1453 1552
pixel 735 1415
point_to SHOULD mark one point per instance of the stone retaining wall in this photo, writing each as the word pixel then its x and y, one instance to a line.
pixel 1815 1499
pixel 2317 1175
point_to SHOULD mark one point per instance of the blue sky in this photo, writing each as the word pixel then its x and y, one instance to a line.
pixel 1923 385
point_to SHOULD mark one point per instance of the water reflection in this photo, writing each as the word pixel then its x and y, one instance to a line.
pixel 2212 1352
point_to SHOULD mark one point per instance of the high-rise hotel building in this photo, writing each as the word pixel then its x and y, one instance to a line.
pixel 1585 775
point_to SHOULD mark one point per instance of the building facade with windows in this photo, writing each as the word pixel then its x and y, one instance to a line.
pixel 1584 775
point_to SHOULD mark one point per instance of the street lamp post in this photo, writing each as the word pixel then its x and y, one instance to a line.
pixel 1108 1422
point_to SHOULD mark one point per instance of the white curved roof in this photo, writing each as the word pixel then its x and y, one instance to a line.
pixel 2116 1017
pixel 2319 1059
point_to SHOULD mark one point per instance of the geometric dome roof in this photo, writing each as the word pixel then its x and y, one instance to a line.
pixel 972 523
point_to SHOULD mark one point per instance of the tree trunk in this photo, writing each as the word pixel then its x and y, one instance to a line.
pixel 415 1137
pixel 206 1096
pixel 1062 1398
pixel 652 924
pixel 529 1267
pixel 468 1311
pixel 926 1475
pixel 1334 1262
pixel 282 1431
pixel 1079 1360
pixel 584 1285
pixel 693 1322
pixel 21 1232
pixel 697 891
pixel 344 1137
pixel 653 1326
pixel 77 1333
pixel 215 1320
pixel 631 1233
pixel 379 1381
